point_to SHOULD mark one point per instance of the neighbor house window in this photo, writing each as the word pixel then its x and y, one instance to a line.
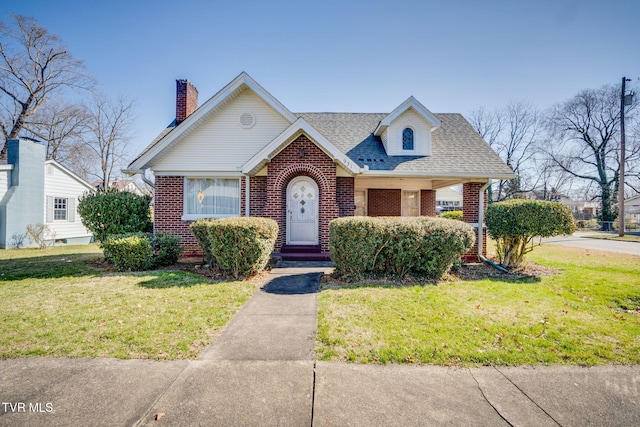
pixel 407 139
pixel 410 203
pixel 60 209
pixel 212 197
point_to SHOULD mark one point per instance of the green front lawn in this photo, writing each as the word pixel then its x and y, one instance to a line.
pixel 587 314
pixel 54 303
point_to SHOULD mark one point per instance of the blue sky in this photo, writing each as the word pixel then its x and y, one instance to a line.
pixel 355 56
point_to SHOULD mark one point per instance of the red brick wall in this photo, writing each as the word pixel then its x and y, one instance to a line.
pixel 258 196
pixel 168 211
pixel 427 203
pixel 301 157
pixel 344 196
pixel 384 202
pixel 470 204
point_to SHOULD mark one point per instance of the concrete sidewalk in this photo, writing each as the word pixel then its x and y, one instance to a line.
pixel 106 392
pixel 260 372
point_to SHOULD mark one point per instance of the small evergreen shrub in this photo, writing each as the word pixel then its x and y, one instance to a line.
pixel 142 251
pixel 513 224
pixel 166 249
pixel 242 246
pixel 129 253
pixel 199 229
pixel 111 212
pixel 457 215
pixel 422 247
pixel 587 224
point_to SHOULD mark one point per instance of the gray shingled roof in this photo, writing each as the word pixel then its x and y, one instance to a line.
pixel 456 147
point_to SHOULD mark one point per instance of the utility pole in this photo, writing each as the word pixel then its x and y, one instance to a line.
pixel 624 100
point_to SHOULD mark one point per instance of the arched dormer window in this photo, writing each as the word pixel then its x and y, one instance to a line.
pixel 407 139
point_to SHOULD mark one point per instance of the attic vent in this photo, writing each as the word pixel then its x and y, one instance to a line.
pixel 49 169
pixel 247 120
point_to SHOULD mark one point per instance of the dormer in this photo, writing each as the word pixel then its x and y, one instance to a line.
pixel 406 131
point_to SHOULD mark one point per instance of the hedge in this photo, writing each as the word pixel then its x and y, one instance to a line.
pixel 241 246
pixel 199 229
pixel 421 247
pixel 513 224
pixel 142 251
pixel 457 215
pixel 110 212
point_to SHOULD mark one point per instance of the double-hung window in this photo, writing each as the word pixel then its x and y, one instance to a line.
pixel 60 205
pixel 211 197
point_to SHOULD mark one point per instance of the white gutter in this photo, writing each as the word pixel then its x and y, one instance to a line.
pixel 481 228
pixel 141 172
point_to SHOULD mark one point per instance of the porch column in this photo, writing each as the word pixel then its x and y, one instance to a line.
pixel 470 205
pixel 428 202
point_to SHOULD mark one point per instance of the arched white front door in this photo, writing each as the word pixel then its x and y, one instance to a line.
pixel 302 211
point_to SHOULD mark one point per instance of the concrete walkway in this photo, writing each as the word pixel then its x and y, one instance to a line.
pixel 260 372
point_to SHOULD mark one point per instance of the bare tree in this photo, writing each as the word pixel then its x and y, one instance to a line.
pixel 34 65
pixel 109 134
pixel 61 127
pixel 513 133
pixel 587 129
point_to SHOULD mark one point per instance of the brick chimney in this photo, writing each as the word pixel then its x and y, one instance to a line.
pixel 186 99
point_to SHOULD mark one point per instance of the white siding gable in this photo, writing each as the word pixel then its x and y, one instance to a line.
pixel 59 184
pixel 421 134
pixel 4 182
pixel 222 143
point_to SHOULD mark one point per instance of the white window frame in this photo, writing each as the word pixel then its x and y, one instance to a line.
pixel 65 209
pixel 402 199
pixel 192 217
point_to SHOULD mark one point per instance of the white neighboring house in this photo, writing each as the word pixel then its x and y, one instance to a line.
pixel 122 185
pixel 632 208
pixel 62 188
pixel 34 191
pixel 448 199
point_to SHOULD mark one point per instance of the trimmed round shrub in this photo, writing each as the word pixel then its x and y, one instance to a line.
pixel 129 253
pixel 111 212
pixel 513 224
pixel 395 246
pixel 199 229
pixel 166 249
pixel 242 246
pixel 457 215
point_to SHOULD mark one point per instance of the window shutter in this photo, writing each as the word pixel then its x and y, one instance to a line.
pixel 71 209
pixel 49 208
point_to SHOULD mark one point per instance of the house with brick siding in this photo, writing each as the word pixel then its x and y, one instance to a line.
pixel 242 152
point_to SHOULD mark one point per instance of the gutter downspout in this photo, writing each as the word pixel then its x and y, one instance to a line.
pixel 481 229
pixel 147 180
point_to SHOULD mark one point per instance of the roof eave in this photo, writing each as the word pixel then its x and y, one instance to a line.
pixel 243 79
pixel 442 175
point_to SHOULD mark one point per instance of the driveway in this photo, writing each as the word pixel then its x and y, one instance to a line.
pixel 580 240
